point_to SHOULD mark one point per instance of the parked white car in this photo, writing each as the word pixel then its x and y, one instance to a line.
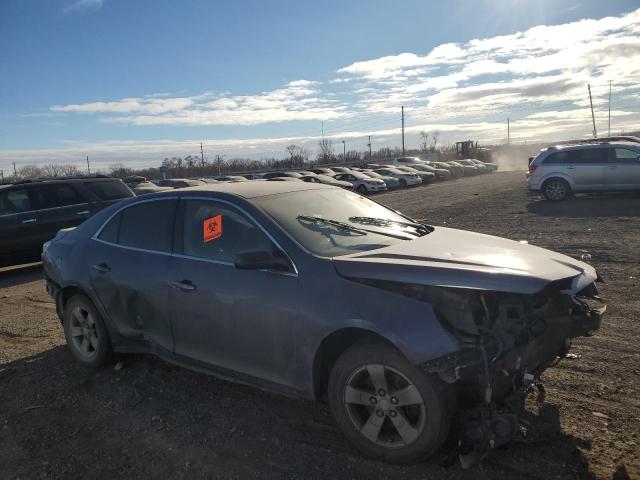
pixel 560 170
pixel 362 183
pixel 406 179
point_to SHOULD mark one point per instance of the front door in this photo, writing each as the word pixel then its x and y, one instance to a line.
pixel 623 172
pixel 241 320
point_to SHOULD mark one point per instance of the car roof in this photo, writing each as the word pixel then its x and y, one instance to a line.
pixel 254 188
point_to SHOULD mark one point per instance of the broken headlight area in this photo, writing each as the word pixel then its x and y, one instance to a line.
pixel 506 341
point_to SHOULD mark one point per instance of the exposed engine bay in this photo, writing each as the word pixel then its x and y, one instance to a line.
pixel 506 342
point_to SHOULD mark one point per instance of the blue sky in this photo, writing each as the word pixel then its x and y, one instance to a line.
pixel 135 81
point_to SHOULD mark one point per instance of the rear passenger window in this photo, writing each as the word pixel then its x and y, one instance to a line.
pixel 585 155
pixel 14 201
pixel 624 155
pixel 148 225
pixel 56 195
pixel 111 230
pixel 593 155
pixel 109 189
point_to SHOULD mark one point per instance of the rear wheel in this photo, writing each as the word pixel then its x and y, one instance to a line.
pixel 556 189
pixel 403 183
pixel 389 409
pixel 362 190
pixel 86 333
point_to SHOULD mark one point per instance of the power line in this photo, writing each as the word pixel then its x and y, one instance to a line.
pixel 595 133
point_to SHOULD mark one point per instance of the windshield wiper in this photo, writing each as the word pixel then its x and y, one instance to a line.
pixel 348 227
pixel 385 222
pixel 334 223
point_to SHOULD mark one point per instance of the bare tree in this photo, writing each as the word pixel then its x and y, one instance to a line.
pixel 298 155
pixel 53 170
pixel 424 141
pixel 30 171
pixel 70 170
pixel 119 170
pixel 325 153
pixel 435 136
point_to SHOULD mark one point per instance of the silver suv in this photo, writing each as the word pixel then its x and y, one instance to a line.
pixel 600 165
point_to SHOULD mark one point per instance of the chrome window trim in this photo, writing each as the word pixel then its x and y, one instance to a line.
pixel 43 209
pixel 135 249
pixel 95 236
pixel 250 217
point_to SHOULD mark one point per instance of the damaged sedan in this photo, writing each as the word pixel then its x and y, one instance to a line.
pixel 412 333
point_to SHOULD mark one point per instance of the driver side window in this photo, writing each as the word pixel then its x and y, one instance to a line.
pixel 219 232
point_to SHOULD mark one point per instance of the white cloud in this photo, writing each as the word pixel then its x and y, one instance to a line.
pixel 297 100
pixel 537 78
pixel 84 6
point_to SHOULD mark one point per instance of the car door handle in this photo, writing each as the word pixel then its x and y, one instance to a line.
pixel 184 285
pixel 83 212
pixel 102 267
pixel 29 220
pixel 612 167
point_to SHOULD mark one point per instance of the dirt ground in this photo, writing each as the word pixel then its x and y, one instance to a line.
pixel 151 419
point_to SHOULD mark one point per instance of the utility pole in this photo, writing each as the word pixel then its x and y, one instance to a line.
pixel 15 172
pixel 369 145
pixel 88 167
pixel 609 107
pixel 403 130
pixel 344 150
pixel 2 176
pixel 201 154
pixel 508 132
pixel 593 117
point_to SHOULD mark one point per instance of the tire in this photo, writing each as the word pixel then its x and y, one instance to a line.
pixel 375 421
pixel 403 183
pixel 556 189
pixel 362 190
pixel 85 332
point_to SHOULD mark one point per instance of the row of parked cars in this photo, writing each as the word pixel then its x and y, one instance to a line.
pixel 371 178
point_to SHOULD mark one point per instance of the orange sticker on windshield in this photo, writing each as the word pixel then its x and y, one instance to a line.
pixel 212 228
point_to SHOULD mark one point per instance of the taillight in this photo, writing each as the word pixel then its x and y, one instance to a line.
pixel 532 167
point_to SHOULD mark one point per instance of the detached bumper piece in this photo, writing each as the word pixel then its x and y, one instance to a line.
pixel 492 383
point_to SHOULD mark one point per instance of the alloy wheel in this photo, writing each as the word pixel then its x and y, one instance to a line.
pixel 84 333
pixel 556 190
pixel 384 405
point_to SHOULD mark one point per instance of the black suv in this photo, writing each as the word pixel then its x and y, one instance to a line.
pixel 32 211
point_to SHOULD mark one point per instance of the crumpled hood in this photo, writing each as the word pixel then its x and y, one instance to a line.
pixel 458 258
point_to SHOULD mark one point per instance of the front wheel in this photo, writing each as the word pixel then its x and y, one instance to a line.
pixel 362 190
pixel 403 183
pixel 556 189
pixel 389 409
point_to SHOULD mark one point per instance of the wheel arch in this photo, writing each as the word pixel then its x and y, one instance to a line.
pixel 562 176
pixel 330 349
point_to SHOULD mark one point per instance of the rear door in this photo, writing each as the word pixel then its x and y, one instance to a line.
pixel 20 240
pixel 59 205
pixel 587 167
pixel 623 171
pixel 129 267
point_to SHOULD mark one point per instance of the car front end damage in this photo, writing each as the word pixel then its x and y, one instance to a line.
pixel 506 342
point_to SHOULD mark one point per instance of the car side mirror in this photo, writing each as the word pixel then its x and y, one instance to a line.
pixel 261 260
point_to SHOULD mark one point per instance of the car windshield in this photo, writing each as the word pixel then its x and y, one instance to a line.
pixel 332 222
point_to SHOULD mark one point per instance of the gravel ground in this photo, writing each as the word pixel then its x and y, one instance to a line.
pixel 151 419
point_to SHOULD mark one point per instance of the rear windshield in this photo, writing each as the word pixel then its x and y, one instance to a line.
pixel 109 189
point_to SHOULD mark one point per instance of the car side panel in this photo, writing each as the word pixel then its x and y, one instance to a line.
pixel 331 303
